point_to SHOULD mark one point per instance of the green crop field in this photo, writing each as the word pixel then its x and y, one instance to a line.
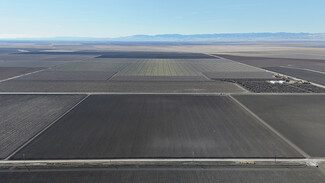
pixel 158 67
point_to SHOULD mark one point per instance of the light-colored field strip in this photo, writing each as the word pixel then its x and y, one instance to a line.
pixel 315 84
pixel 210 79
pixel 158 67
pixel 44 129
pixel 271 128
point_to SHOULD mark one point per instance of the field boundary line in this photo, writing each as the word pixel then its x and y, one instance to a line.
pixel 206 77
pixel 270 128
pixel 22 75
pixel 44 129
pixel 242 64
pixel 241 87
pixel 48 68
pixel 111 76
pixel 118 71
pixel 310 70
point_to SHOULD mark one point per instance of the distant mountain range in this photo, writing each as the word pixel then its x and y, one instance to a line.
pixel 226 37
pixel 281 36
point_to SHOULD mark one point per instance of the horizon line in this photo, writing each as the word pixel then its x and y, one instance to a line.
pixel 149 35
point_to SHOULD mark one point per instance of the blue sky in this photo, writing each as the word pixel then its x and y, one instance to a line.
pixel 114 18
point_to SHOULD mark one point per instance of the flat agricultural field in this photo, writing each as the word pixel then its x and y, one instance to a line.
pixel 314 67
pixel 24 60
pixel 299 118
pixel 121 86
pixel 125 54
pixel 158 78
pixel 94 65
pixel 239 75
pixel 50 75
pixel 157 126
pixel 194 68
pixel 158 67
pixel 43 58
pixel 162 55
pixel 22 116
pixel 163 175
pixel 159 70
pixel 174 67
pixel 223 65
pixel 272 62
pixel 311 76
pixel 44 64
pixel 189 66
pixel 8 72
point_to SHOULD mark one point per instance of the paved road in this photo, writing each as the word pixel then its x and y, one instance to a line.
pixel 167 162
pixel 141 93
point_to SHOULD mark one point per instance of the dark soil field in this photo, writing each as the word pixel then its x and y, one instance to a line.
pixel 8 72
pixel 32 63
pixel 271 62
pixel 50 75
pixel 299 118
pixel 239 75
pixel 24 60
pixel 314 77
pixel 153 126
pixel 22 116
pixel 120 86
pixel 156 175
pixel 92 65
pixel 128 54
pixel 315 67
pixel 44 57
